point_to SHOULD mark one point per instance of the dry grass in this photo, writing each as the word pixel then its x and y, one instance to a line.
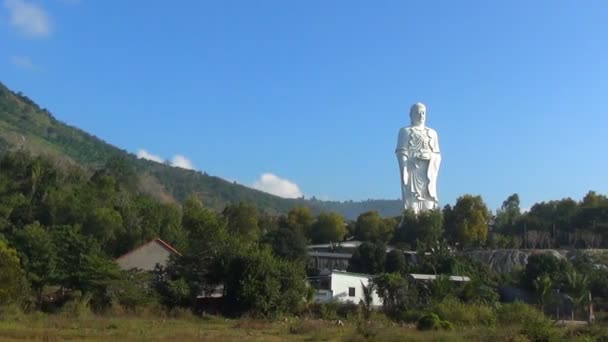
pixel 41 327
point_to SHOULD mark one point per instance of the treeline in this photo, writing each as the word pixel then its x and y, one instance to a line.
pixel 469 223
pixel 61 227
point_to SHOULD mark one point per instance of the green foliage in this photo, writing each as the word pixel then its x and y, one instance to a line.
pixel 543 264
pixel 287 243
pixel 429 322
pixel 262 285
pixel 368 258
pixel 397 293
pixel 395 262
pixel 462 314
pixel 242 219
pixel 423 228
pixel 539 329
pixel 13 285
pixel 300 219
pixel 370 226
pixel 38 256
pixel 467 222
pixel 328 227
pixel 517 313
pixel 508 216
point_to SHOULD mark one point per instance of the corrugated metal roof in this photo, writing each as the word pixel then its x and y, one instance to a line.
pixel 433 277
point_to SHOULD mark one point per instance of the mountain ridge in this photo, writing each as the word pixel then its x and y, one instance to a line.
pixel 26 125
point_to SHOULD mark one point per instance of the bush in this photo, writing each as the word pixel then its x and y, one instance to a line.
pixel 465 314
pixel 78 307
pixel 593 332
pixel 410 316
pixel 367 329
pixel 429 322
pixel 328 310
pixel 433 322
pixel 446 325
pixel 347 310
pixel 539 330
pixel 517 313
pixel 305 326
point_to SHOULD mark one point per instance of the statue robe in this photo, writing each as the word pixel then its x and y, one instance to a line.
pixel 419 159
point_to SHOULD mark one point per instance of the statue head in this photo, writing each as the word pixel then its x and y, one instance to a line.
pixel 418 114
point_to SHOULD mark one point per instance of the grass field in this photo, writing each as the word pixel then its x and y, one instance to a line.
pixel 43 327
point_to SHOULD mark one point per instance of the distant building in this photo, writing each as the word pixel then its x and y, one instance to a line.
pixel 430 277
pixel 342 287
pixel 328 261
pixel 147 256
pixel 336 256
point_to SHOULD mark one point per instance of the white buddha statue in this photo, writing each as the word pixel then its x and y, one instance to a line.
pixel 419 159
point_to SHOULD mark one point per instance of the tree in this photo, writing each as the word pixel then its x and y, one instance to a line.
pixel 543 285
pixel 105 225
pixel 367 301
pixel 577 286
pixel 300 218
pixel 469 219
pixel 371 227
pixel 543 264
pixel 75 253
pixel 261 285
pixel 368 258
pixel 328 227
pixel 395 262
pixel 205 228
pixel 424 227
pixel 508 214
pixel 396 292
pixel 242 219
pixel 13 286
pixel 287 243
pixel 38 256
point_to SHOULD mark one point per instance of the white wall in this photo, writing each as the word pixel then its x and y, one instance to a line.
pixel 341 282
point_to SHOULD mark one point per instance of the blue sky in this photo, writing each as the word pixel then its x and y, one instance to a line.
pixel 314 92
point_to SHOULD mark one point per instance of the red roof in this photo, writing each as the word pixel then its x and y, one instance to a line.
pixel 159 241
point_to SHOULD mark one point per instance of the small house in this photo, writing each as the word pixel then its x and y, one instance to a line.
pixel 147 256
pixel 342 287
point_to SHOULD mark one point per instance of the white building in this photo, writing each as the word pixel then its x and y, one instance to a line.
pixel 342 287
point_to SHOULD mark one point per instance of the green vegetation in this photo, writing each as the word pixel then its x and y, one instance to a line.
pixel 70 204
pixel 24 125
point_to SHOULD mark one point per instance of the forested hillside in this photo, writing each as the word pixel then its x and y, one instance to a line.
pixel 25 125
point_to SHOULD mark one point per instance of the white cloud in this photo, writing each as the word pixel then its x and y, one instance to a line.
pixel 183 162
pixel 24 62
pixel 275 185
pixel 177 161
pixel 28 18
pixel 143 154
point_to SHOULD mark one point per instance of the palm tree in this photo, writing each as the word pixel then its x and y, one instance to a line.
pixel 366 302
pixel 577 286
pixel 543 285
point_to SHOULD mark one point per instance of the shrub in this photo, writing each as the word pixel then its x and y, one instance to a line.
pixel 347 310
pixel 78 307
pixel 305 326
pixel 429 322
pixel 367 329
pixel 446 325
pixel 539 330
pixel 328 310
pixel 410 316
pixel 517 313
pixel 465 314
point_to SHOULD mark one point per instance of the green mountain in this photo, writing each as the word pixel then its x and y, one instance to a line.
pixel 25 125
